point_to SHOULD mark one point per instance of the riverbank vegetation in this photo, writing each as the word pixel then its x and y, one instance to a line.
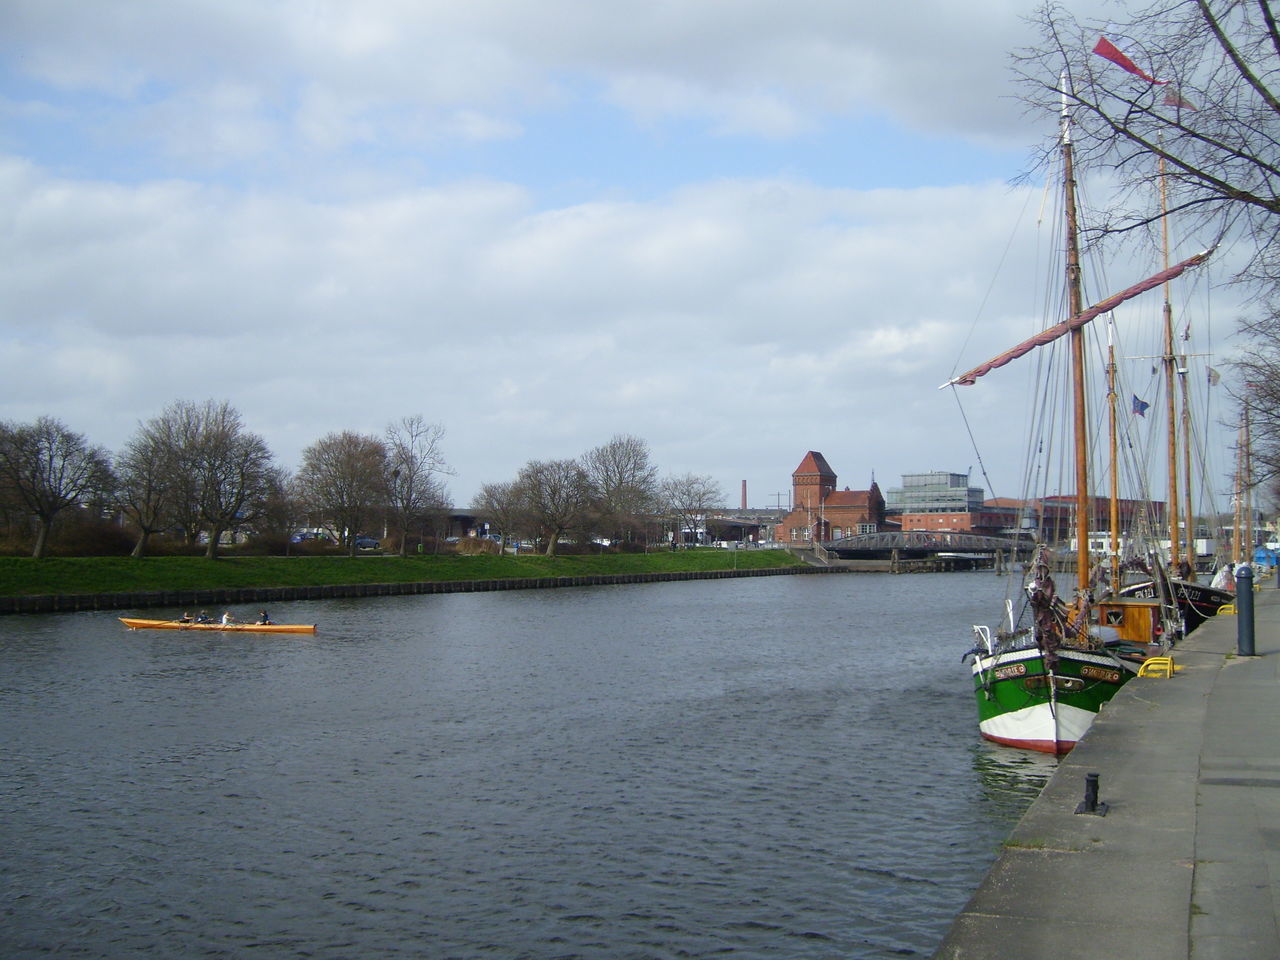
pixel 194 479
pixel 24 576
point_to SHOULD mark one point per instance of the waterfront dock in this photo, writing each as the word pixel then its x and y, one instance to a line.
pixel 1182 863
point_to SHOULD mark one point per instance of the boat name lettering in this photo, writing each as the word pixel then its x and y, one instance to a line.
pixel 1013 670
pixel 1100 673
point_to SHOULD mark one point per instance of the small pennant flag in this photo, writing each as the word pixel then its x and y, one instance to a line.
pixel 1140 406
pixel 1214 376
pixel 1108 50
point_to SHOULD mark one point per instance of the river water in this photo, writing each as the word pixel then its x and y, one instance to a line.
pixel 781 767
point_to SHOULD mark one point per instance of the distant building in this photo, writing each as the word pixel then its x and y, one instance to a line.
pixel 934 492
pixel 992 520
pixel 820 512
pixel 944 502
pixel 1055 515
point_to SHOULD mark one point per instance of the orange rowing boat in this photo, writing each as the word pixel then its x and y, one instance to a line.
pixel 134 623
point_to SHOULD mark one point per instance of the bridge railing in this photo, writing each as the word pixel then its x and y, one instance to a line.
pixel 925 540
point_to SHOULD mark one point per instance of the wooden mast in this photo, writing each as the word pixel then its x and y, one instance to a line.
pixel 1246 458
pixel 1189 513
pixel 1242 526
pixel 1075 304
pixel 1115 478
pixel 1239 488
pixel 1175 552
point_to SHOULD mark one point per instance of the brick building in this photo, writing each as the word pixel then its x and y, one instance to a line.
pixel 993 520
pixel 1053 516
pixel 821 512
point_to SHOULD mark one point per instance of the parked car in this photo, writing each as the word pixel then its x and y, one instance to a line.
pixel 367 543
pixel 308 535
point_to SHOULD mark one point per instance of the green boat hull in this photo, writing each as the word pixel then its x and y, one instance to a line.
pixel 1022 703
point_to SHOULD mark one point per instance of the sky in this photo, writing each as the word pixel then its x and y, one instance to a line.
pixel 737 229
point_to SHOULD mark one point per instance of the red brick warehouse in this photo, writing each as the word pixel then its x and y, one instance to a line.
pixel 820 512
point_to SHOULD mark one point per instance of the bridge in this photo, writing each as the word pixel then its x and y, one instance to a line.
pixel 922 544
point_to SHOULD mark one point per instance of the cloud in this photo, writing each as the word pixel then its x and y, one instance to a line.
pixel 527 332
pixel 389 72
pixel 334 216
pixel 655 99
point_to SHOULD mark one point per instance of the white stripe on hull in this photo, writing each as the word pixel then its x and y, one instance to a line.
pixel 1039 727
pixel 984 662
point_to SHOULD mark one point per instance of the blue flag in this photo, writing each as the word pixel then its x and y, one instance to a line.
pixel 1139 407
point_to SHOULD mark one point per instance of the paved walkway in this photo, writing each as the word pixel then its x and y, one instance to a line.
pixel 1182 865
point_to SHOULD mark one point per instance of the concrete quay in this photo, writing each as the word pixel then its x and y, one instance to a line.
pixel 1184 862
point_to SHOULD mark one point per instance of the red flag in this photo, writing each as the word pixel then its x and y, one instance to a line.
pixel 1105 48
pixel 1173 99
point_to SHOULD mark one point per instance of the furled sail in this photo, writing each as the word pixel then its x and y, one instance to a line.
pixel 1074 323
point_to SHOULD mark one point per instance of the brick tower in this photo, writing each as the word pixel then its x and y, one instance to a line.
pixel 811 482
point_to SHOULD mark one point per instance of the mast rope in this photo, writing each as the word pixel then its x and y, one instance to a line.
pixel 973 441
pixel 1004 255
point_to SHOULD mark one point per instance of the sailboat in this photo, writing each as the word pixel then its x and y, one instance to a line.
pixel 1039 686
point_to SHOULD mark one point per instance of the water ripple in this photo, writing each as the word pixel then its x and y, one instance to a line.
pixel 665 771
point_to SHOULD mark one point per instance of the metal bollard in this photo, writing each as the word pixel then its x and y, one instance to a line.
pixel 1244 610
pixel 1090 804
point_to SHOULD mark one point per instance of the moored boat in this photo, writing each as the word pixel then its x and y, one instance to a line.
pixel 1040 686
pixel 136 623
pixel 1024 703
pixel 1197 602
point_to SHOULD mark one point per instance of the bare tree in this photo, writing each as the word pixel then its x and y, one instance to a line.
pixel 180 433
pixel 16 517
pixel 503 506
pixel 557 496
pixel 414 463
pixel 148 481
pixel 624 483
pixel 233 469
pixel 688 499
pixel 47 468
pixel 281 511
pixel 195 468
pixel 343 479
pixel 1188 82
pixel 1259 372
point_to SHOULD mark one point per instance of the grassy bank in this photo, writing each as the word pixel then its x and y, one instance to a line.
pixel 22 576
